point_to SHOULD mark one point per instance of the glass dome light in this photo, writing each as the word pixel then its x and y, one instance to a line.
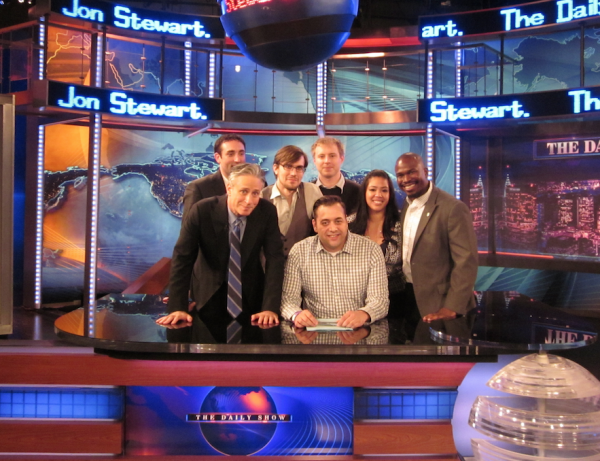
pixel 547 377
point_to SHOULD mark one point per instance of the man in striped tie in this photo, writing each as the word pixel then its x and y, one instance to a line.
pixel 219 250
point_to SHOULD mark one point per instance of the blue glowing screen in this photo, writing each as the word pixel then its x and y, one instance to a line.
pixel 270 421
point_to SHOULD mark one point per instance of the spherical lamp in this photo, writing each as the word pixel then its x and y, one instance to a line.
pixel 288 34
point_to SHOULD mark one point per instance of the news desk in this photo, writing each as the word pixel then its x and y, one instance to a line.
pixel 129 350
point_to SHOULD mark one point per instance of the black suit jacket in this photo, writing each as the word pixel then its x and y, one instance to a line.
pixel 201 256
pixel 198 189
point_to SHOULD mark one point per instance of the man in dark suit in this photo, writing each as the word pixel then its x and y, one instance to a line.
pixel 439 247
pixel 328 156
pixel 230 150
pixel 201 257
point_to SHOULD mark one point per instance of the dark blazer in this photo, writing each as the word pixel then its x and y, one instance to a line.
pixel 444 257
pixel 211 185
pixel 201 256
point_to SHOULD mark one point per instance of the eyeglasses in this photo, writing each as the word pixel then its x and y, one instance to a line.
pixel 297 169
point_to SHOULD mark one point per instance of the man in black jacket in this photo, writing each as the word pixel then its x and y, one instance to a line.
pixel 201 257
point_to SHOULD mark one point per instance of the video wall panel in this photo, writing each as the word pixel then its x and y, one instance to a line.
pixel 479 192
pixel 546 206
pixel 69 55
pixel 142 180
pixel 267 421
pixel 252 88
pixel 63 255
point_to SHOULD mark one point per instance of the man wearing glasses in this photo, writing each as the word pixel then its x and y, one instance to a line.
pixel 293 198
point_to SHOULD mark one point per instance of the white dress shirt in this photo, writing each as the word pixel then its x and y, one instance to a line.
pixel 285 210
pixel 409 231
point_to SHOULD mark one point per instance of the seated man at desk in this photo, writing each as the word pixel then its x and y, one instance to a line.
pixel 219 252
pixel 334 274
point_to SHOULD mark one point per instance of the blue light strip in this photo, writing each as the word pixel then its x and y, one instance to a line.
pixel 458 60
pixel 42 50
pixel 99 60
pixel 429 89
pixel 187 62
pixel 51 403
pixel 92 245
pixel 321 93
pixel 212 73
pixel 39 217
pixel 93 191
pixel 457 153
pixel 403 404
pixel 429 150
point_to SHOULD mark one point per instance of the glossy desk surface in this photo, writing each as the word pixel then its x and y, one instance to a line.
pixel 502 322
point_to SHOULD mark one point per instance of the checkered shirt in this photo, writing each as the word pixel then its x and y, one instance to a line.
pixel 355 278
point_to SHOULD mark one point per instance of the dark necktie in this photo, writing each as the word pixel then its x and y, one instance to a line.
pixel 234 332
pixel 234 282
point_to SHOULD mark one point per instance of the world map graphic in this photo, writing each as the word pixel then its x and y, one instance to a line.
pixel 167 177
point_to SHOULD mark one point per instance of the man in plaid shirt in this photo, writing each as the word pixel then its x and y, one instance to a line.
pixel 335 274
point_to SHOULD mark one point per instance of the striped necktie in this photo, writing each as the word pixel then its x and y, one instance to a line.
pixel 234 282
pixel 234 332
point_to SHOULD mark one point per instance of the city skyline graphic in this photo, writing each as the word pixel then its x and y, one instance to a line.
pixel 543 218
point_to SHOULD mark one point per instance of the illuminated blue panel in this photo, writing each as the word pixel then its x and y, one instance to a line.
pixel 499 20
pixel 61 403
pixel 118 102
pixel 135 19
pixel 208 421
pixel 403 404
pixel 510 107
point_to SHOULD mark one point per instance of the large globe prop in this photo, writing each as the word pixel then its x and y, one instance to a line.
pixel 238 438
pixel 288 34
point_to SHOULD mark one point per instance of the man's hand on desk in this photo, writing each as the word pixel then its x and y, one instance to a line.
pixel 178 325
pixel 305 319
pixel 265 318
pixel 175 317
pixel 443 314
pixel 354 319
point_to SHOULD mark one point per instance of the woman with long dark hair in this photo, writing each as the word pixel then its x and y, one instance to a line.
pixel 377 218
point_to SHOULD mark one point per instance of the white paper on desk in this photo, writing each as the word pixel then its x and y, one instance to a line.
pixel 328 325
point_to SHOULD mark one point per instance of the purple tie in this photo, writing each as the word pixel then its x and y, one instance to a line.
pixel 234 282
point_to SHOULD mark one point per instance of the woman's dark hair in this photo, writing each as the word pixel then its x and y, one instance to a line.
pixel 359 225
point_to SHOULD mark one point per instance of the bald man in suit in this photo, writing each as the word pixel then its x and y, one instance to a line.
pixel 439 246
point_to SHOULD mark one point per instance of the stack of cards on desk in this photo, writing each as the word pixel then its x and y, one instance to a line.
pixel 328 325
